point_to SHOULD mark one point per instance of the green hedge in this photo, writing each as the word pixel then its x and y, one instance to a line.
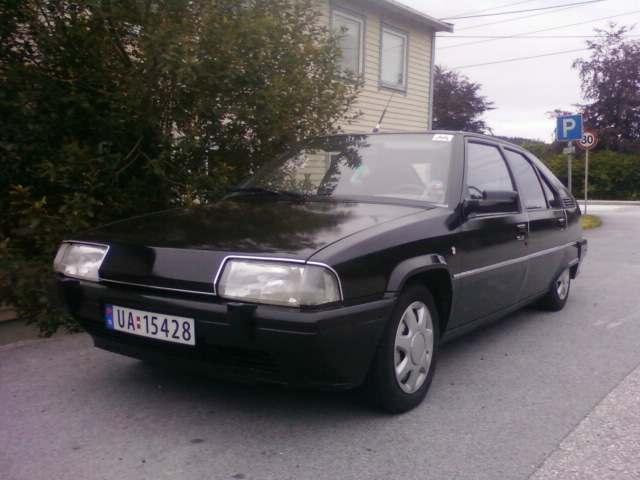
pixel 612 176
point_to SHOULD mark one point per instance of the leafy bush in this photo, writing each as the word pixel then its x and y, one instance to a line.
pixel 612 176
pixel 110 109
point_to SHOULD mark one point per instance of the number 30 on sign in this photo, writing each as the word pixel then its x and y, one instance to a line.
pixel 589 140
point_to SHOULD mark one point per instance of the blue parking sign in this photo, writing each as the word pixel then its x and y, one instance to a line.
pixel 569 128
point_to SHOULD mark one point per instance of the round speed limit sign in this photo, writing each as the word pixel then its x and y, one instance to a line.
pixel 589 140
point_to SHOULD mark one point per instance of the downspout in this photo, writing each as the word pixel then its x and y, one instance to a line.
pixel 431 81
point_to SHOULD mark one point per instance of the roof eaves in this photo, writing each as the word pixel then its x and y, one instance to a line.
pixel 434 23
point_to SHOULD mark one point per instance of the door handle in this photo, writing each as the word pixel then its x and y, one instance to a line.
pixel 522 231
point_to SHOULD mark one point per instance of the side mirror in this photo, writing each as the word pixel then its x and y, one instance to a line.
pixel 493 201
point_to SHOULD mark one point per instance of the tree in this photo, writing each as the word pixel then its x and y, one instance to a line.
pixel 611 81
pixel 113 108
pixel 457 104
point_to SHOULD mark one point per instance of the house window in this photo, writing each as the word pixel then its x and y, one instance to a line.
pixel 393 58
pixel 350 27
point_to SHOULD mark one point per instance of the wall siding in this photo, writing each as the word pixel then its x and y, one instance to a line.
pixel 407 111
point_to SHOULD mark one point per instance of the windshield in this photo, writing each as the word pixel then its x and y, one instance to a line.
pixel 410 166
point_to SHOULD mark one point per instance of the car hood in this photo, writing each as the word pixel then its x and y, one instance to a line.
pixel 183 249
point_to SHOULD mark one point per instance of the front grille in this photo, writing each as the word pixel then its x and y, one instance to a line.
pixel 568 203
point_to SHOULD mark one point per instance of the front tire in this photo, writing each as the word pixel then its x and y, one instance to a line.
pixel 405 361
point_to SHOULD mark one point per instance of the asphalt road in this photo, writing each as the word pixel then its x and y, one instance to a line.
pixel 508 402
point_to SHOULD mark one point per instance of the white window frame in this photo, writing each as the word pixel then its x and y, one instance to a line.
pixel 354 17
pixel 386 84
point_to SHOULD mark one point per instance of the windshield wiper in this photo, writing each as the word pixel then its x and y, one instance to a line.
pixel 268 191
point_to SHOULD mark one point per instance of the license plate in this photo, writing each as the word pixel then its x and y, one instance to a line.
pixel 151 325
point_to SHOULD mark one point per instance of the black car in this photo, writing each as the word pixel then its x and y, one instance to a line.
pixel 343 263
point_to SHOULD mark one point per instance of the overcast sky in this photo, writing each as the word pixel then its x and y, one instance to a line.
pixel 523 91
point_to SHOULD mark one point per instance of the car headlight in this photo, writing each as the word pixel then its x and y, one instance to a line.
pixel 278 282
pixel 80 260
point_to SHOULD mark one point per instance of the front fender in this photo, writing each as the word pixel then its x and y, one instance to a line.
pixel 412 267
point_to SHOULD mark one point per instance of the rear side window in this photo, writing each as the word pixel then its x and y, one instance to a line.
pixel 552 197
pixel 531 190
pixel 486 170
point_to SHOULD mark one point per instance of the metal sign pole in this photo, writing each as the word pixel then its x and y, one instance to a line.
pixel 570 159
pixel 589 140
pixel 586 179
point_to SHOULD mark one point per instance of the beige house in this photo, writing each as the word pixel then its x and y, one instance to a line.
pixel 392 46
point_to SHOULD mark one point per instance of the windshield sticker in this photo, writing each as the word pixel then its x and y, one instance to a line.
pixel 436 185
pixel 442 138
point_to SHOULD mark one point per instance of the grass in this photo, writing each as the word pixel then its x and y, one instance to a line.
pixel 590 221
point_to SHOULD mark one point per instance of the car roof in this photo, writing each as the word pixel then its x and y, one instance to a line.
pixel 480 136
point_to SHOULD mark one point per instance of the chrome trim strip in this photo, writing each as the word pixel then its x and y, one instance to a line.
pixel 277 260
pixel 80 242
pixel 214 293
pixel 550 250
pixel 516 260
pixel 490 267
pixel 155 287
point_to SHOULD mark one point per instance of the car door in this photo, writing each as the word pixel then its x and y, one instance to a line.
pixel 547 223
pixel 493 246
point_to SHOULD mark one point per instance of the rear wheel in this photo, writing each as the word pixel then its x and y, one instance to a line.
pixel 558 294
pixel 405 361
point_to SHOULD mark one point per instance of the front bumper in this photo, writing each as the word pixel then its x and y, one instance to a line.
pixel 329 348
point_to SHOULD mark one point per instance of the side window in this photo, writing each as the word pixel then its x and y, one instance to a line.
pixel 552 197
pixel 350 27
pixel 486 170
pixel 531 190
pixel 560 195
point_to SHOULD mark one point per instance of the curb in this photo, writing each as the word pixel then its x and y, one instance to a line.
pixel 604 446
